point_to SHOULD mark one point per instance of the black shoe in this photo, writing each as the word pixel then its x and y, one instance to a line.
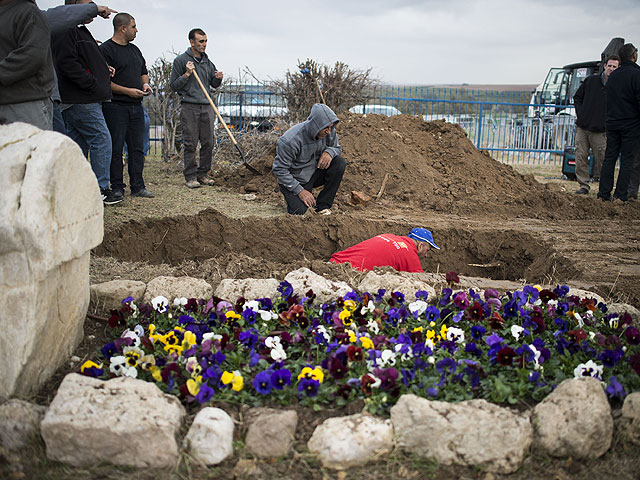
pixel 118 194
pixel 144 193
pixel 582 191
pixel 110 198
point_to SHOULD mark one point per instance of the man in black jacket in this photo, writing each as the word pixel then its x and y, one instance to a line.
pixel 84 83
pixel 26 71
pixel 590 105
pixel 196 115
pixel 622 123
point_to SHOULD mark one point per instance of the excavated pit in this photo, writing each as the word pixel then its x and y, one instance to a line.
pixel 270 243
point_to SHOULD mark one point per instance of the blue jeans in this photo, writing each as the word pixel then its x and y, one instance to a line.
pixel 126 124
pixel 86 126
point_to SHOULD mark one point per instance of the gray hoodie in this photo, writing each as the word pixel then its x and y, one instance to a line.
pixel 188 88
pixel 299 149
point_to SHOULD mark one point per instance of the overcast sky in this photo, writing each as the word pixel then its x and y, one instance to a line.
pixel 403 41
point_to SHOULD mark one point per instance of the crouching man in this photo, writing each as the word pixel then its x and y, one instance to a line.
pixel 308 156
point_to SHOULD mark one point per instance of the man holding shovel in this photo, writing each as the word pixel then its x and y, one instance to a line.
pixel 308 156
pixel 196 115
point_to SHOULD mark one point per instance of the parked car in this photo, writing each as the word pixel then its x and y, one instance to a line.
pixel 250 106
pixel 387 110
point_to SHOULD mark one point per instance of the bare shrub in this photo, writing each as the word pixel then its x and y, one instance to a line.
pixel 340 86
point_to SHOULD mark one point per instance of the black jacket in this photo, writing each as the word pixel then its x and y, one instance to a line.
pixel 590 103
pixel 623 97
pixel 26 71
pixel 83 76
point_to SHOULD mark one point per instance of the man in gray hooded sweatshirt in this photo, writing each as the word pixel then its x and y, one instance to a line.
pixel 308 156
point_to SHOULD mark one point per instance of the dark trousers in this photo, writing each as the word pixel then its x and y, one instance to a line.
pixel 330 178
pixel 198 123
pixel 126 124
pixel 623 143
pixel 634 182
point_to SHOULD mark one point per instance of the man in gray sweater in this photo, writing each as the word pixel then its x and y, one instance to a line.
pixel 308 156
pixel 196 115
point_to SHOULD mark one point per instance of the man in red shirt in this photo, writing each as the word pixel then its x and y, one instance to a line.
pixel 401 253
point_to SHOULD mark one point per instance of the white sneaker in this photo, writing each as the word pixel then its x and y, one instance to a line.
pixel 326 211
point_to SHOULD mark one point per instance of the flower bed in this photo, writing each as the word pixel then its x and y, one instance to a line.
pixel 511 348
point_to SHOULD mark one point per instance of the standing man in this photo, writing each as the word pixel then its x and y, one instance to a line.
pixel 590 105
pixel 622 123
pixel 124 114
pixel 26 68
pixel 196 115
pixel 308 156
pixel 388 250
pixel 84 83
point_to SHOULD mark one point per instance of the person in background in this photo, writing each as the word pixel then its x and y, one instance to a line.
pixel 590 105
pixel 124 114
pixel 308 155
pixel 622 124
pixel 388 250
pixel 196 115
pixel 84 84
pixel 26 68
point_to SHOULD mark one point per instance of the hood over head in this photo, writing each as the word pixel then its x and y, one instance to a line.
pixel 320 117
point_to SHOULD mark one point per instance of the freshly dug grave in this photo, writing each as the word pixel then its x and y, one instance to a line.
pixel 431 166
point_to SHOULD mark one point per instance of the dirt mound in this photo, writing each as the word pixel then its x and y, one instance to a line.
pixel 432 166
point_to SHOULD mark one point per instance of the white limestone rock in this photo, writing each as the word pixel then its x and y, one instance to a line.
pixel 630 418
pixel 50 218
pixel 249 288
pixel 344 442
pixel 404 282
pixel 177 287
pixel 271 432
pixel 109 295
pixel 304 279
pixel 471 433
pixel 574 420
pixel 123 421
pixel 210 438
pixel 19 423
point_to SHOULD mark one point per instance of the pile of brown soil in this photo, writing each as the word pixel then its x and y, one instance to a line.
pixel 431 166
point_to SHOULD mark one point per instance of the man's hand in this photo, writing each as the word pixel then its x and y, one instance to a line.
pixel 146 88
pixel 112 71
pixel 135 93
pixel 219 74
pixel 325 161
pixel 307 198
pixel 105 11
pixel 190 68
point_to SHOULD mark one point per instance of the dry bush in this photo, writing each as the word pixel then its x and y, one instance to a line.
pixel 254 144
pixel 340 86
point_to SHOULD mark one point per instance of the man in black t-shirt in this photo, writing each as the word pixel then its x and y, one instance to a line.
pixel 124 114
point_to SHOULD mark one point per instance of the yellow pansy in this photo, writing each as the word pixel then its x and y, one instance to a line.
pixel 432 324
pixel 189 339
pixel 238 382
pixel 443 331
pixel 431 334
pixel 366 342
pixel 177 349
pixel 313 373
pixel 152 328
pixel 417 329
pixel 345 316
pixel 231 314
pixel 537 287
pixel 156 373
pixel 193 387
pixel 350 305
pixel 89 364
pixel 352 336
pixel 227 378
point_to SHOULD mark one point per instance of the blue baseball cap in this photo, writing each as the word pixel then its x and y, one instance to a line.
pixel 423 235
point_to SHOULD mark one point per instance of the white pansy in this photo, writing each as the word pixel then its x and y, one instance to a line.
pixel 429 343
pixel 589 369
pixel 373 327
pixel 369 308
pixel 613 323
pixel 139 330
pixel 431 360
pixel 455 334
pixel 577 316
pixel 118 366
pixel 553 302
pixel 253 305
pixel 322 331
pixel 516 331
pixel 179 302
pixel 536 356
pixel 266 315
pixel 418 307
pixel 133 336
pixel 211 336
pixel 160 304
pixel 387 358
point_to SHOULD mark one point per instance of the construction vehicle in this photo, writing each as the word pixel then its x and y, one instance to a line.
pixel 551 106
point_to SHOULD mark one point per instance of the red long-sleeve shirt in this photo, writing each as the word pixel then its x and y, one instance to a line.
pixel 382 250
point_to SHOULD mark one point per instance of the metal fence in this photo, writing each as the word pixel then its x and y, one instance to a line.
pixel 503 123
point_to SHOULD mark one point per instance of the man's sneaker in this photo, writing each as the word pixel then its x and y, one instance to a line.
pixel 326 211
pixel 204 180
pixel 144 193
pixel 192 184
pixel 111 198
pixel 582 191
